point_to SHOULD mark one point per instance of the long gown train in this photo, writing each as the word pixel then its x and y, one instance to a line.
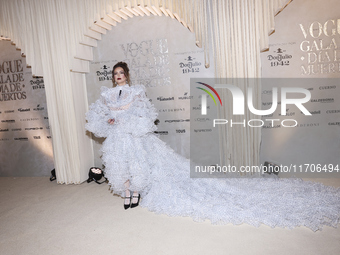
pixel 133 152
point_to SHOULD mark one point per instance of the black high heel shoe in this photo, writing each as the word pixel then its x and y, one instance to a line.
pixel 126 206
pixel 135 204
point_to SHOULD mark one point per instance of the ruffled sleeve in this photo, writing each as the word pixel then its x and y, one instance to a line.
pixel 132 110
pixel 97 118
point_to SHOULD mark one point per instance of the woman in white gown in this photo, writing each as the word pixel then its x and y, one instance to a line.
pixel 135 159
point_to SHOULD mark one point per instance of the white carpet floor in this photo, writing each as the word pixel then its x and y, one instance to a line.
pixel 41 217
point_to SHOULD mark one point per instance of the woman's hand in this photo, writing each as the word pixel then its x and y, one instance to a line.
pixel 111 121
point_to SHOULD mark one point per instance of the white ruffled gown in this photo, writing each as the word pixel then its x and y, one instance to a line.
pixel 131 151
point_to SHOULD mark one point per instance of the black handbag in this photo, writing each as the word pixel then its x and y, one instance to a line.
pixel 95 174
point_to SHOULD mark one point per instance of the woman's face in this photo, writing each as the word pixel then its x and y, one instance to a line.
pixel 119 76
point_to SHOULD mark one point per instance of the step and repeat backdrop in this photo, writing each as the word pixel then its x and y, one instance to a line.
pixel 25 138
pixel 304 52
pixel 162 55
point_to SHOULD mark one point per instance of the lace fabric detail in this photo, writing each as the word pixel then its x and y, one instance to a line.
pixel 132 152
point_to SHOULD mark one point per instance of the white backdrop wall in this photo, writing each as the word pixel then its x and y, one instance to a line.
pixel 25 139
pixel 305 46
pixel 58 36
pixel 163 56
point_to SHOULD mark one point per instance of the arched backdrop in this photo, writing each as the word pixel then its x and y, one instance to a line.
pixel 57 38
pixel 163 59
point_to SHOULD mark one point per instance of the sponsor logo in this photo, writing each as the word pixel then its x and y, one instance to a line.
pixel 34 128
pixel 270 92
pixel 170 121
pixel 202 130
pixel 162 132
pixel 8 121
pixel 180 131
pixel 199 107
pixel 24 110
pixel 185 96
pixel 276 126
pixel 16 129
pixel 269 103
pixel 38 108
pixel 323 100
pixel 202 119
pixel 172 110
pixel 4 130
pixel 37 84
pixel 190 65
pixel 280 59
pixel 105 74
pixel 29 119
pixel 21 139
pixel 327 87
pixel 267 92
pixel 332 111
pixel 165 98
pixel 309 125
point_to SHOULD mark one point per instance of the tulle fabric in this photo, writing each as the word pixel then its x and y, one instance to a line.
pixel 127 148
pixel 133 152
